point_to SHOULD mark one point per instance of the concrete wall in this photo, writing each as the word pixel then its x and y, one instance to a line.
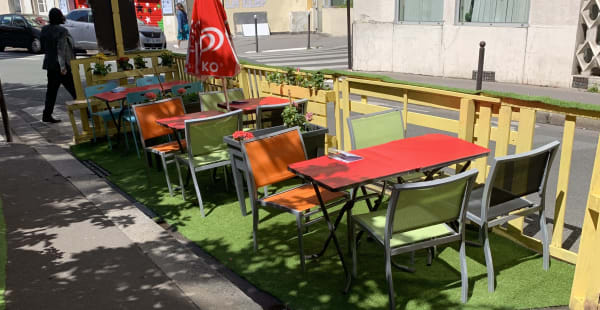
pixel 334 21
pixel 541 53
pixel 279 12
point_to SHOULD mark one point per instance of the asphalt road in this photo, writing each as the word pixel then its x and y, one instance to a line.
pixel 22 77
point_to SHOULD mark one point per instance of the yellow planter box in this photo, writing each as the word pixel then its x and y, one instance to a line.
pixel 322 96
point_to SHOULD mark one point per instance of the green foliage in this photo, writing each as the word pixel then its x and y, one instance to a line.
pixel 123 64
pixel 167 58
pixel 314 80
pixel 189 98
pixel 292 117
pixel 100 69
pixel 593 89
pixel 139 62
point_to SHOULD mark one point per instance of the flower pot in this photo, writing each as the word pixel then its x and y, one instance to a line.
pixel 314 143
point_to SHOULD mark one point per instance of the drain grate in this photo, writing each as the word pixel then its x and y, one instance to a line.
pixel 96 169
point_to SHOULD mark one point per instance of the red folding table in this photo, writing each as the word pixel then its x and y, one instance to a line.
pixel 427 153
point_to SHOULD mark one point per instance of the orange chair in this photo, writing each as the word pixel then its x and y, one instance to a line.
pixel 268 158
pixel 146 115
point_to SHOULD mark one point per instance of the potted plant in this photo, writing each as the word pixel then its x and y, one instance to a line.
pixel 167 58
pixel 191 100
pixel 139 62
pixel 300 85
pixel 123 64
pixel 100 68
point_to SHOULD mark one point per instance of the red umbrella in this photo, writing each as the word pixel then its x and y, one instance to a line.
pixel 210 49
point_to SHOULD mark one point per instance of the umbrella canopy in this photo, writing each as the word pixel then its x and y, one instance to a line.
pixel 210 51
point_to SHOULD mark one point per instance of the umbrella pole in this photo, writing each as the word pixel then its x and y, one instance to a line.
pixel 224 81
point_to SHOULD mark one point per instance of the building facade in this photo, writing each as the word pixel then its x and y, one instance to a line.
pixel 540 42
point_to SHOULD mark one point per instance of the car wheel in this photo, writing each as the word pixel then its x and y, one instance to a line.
pixel 36 46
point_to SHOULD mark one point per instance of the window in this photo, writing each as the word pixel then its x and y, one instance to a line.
pixel 79 16
pixel 6 20
pixel 494 11
pixel 421 11
pixel 42 6
pixel 18 21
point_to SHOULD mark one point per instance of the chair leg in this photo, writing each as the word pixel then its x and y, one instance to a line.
pixel 180 179
pixel 164 163
pixel 225 173
pixel 488 259
pixel 193 172
pixel 546 250
pixel 107 135
pixel 124 134
pixel 464 276
pixel 389 278
pixel 137 150
pixel 353 249
pixel 300 243
pixel 93 128
pixel 255 226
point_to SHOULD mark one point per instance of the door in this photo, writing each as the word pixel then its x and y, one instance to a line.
pixel 6 36
pixel 76 23
pixel 22 35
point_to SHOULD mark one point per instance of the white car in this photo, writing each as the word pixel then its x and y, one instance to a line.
pixel 80 24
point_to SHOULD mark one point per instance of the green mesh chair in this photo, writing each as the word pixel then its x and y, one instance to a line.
pixel 419 215
pixel 210 100
pixel 190 88
pixel 502 199
pixel 205 147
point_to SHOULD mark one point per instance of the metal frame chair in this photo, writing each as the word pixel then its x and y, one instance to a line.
pixel 149 129
pixel 209 100
pixel 418 217
pixel 128 116
pixel 196 87
pixel 149 80
pixel 211 152
pixel 502 199
pixel 287 146
pixel 105 115
pixel 275 108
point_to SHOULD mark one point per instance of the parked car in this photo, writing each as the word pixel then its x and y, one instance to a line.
pixel 18 30
pixel 80 24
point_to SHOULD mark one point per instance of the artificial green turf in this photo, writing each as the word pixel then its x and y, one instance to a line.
pixel 226 234
pixel 2 258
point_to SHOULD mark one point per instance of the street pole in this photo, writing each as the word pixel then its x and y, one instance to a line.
pixel 480 65
pixel 256 32
pixel 4 115
pixel 308 46
pixel 349 34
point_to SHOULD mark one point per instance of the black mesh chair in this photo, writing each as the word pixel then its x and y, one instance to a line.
pixel 503 198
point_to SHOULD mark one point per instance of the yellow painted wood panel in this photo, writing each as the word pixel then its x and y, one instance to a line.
pixel 466 120
pixel 433 122
pixel 337 108
pixel 513 137
pixel 586 284
pixel 317 108
pixel 502 136
pixel 405 109
pixel 483 139
pixel 117 27
pixel 345 114
pixel 562 186
pixel 362 108
pixel 319 120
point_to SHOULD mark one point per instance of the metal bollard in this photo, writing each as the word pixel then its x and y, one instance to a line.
pixel 256 32
pixel 480 65
pixel 308 46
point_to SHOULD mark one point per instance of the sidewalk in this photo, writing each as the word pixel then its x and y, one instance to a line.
pixel 74 242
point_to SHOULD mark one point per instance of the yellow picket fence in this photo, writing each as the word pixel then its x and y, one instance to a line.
pixel 481 120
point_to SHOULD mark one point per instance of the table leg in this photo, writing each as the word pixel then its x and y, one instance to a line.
pixel 112 115
pixel 332 235
pixel 176 134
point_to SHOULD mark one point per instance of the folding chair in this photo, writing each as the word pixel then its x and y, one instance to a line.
pixel 146 115
pixel 104 114
pixel 210 100
pixel 419 216
pixel 129 117
pixel 267 158
pixel 190 88
pixel 149 80
pixel 503 197
pixel 205 147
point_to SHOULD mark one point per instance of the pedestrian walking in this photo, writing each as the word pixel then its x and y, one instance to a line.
pixel 182 25
pixel 58 47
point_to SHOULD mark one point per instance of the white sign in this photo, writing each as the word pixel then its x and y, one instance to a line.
pixel 167 7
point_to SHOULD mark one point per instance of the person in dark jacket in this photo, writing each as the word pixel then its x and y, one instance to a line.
pixel 58 47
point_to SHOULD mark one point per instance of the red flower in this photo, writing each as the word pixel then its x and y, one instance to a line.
pixel 123 59
pixel 150 95
pixel 181 91
pixel 242 135
pixel 309 116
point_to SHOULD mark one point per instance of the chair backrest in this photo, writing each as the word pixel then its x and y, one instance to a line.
pixel 268 156
pixel 140 96
pixel 515 176
pixel 210 100
pixel 146 115
pixel 90 91
pixel 190 88
pixel 271 114
pixel 422 204
pixel 148 80
pixel 205 135
pixel 376 128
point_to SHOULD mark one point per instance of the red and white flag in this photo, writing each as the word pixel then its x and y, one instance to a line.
pixel 210 50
